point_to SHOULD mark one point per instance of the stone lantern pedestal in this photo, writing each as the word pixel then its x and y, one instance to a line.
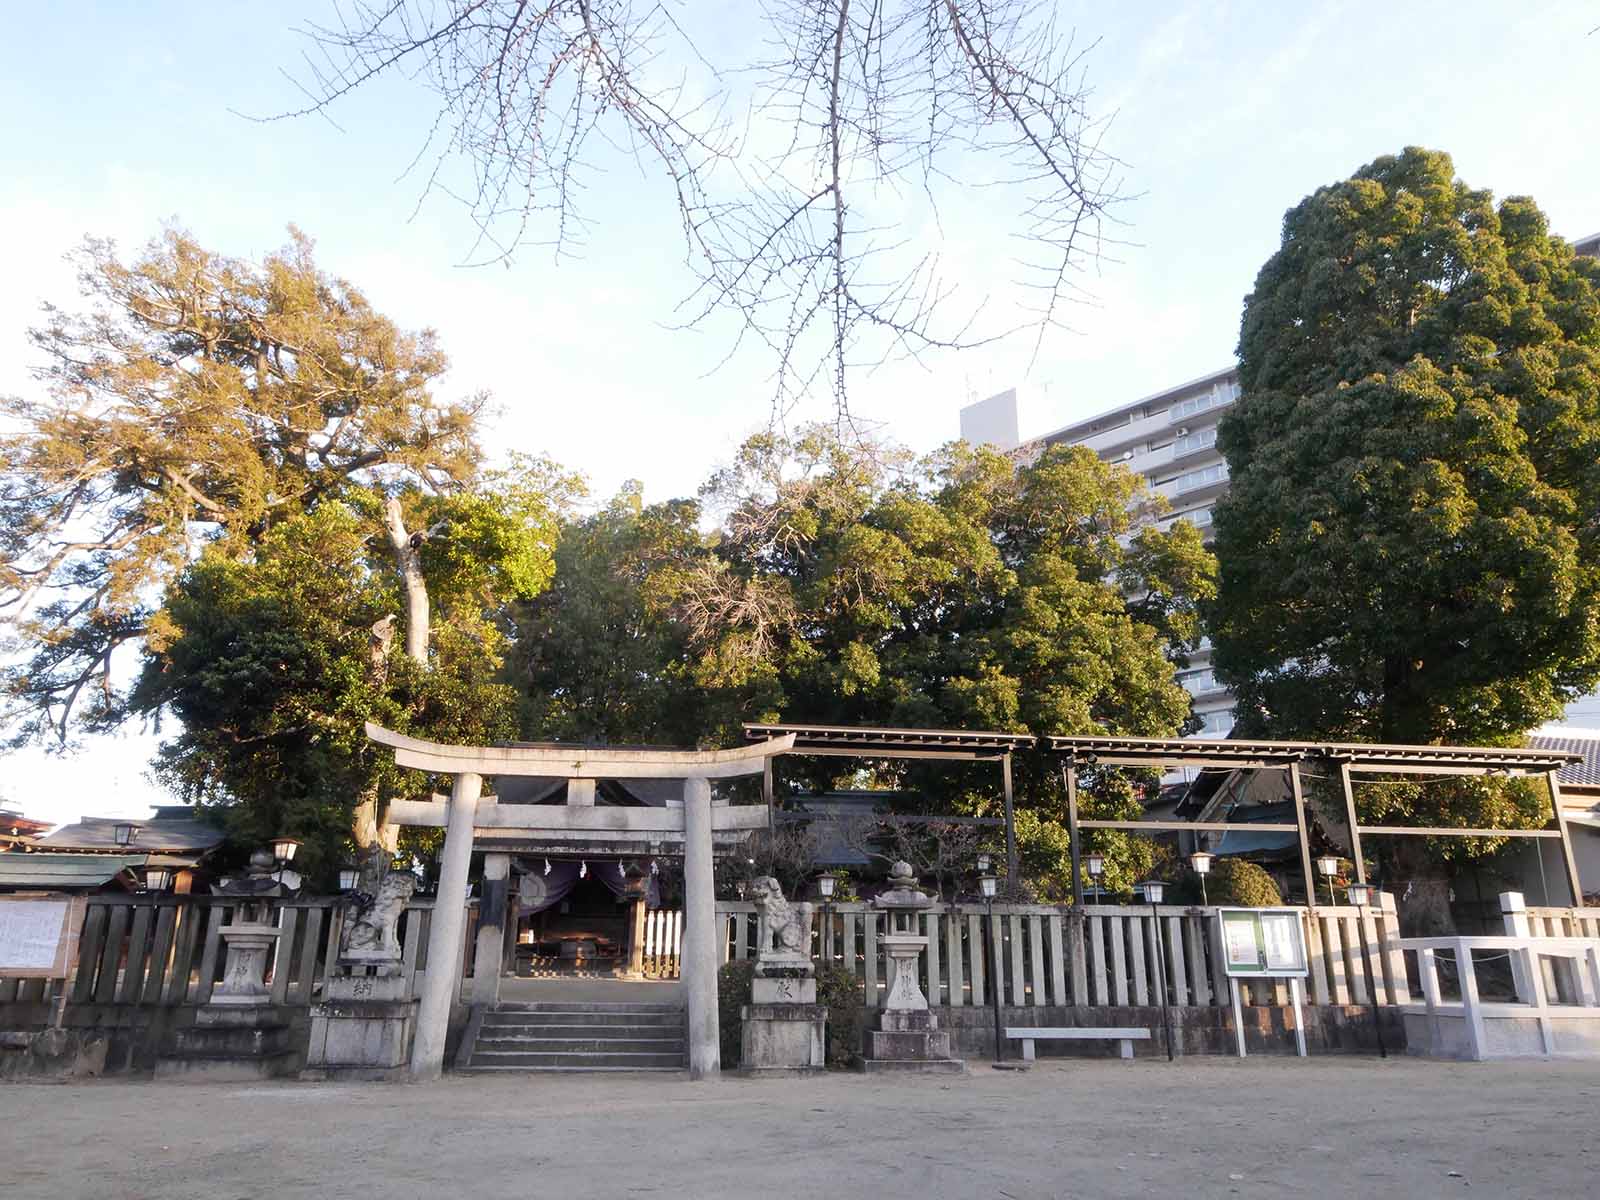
pixel 908 1037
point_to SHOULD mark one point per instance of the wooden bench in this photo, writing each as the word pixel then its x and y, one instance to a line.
pixel 1027 1035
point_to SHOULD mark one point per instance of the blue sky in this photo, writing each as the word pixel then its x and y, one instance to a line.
pixel 119 117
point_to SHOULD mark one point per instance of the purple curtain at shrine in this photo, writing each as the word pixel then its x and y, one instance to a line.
pixel 539 890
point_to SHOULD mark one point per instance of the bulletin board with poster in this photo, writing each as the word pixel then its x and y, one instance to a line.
pixel 39 936
pixel 1264 943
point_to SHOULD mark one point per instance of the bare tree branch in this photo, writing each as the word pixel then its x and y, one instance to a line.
pixel 863 99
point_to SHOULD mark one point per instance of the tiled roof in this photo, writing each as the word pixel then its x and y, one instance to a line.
pixel 160 834
pixel 1584 742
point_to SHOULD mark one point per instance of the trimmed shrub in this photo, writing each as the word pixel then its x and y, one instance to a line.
pixel 843 994
pixel 733 993
pixel 1232 881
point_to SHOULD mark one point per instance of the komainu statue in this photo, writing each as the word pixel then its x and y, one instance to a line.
pixel 370 936
pixel 783 930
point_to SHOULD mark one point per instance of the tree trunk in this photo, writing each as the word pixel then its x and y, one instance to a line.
pixel 408 557
pixel 367 828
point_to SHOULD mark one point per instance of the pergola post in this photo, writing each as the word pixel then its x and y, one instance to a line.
pixel 1351 820
pixel 446 931
pixel 699 964
pixel 1069 777
pixel 1011 825
pixel 1574 884
pixel 1303 834
pixel 488 959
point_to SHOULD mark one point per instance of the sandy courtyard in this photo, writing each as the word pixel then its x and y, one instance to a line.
pixel 1212 1127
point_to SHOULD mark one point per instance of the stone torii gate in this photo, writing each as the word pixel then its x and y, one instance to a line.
pixel 469 816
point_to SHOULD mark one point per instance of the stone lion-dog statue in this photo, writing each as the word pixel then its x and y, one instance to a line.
pixel 783 930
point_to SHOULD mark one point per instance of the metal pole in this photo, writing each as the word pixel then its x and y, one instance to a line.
pixel 1069 779
pixel 996 981
pixel 1012 882
pixel 1374 980
pixel 1161 974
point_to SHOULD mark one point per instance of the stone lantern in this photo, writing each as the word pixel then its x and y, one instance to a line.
pixel 250 937
pixel 239 1033
pixel 908 1036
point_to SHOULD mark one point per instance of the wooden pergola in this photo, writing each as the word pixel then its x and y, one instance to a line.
pixel 865 741
pixel 1348 758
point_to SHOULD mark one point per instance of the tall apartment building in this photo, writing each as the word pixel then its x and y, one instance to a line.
pixel 1171 439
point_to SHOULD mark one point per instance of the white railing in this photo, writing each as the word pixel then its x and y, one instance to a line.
pixel 1109 955
pixel 1474 1028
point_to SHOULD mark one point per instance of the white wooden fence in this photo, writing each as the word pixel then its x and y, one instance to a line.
pixel 1108 955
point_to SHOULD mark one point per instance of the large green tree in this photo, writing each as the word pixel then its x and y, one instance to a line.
pixel 1410 549
pixel 854 584
pixel 203 418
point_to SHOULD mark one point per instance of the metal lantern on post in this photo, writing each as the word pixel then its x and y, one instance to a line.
pixel 1154 890
pixel 1360 895
pixel 825 886
pixel 1328 867
pixel 988 884
pixel 1200 864
pixel 349 877
pixel 1095 863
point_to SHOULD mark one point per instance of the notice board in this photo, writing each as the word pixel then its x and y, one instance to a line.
pixel 1263 942
pixel 39 936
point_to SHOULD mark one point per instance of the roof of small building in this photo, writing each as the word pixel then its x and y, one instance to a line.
pixel 1585 774
pixel 172 830
pixel 64 872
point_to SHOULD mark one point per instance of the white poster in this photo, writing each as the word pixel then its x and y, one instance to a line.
pixel 30 934
pixel 1281 934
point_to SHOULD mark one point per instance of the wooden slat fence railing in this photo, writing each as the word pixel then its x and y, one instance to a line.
pixel 663 942
pixel 1109 955
pixel 164 951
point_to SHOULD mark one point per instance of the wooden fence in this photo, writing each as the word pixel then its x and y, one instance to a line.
pixel 166 951
pixel 663 942
pixel 1109 955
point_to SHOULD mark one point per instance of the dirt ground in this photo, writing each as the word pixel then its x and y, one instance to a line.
pixel 1208 1127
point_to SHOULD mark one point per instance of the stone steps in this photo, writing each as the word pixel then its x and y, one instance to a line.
pixel 571 1036
pixel 530 1060
pixel 566 1045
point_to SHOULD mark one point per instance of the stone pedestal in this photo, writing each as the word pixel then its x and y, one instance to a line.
pixel 779 981
pixel 784 1039
pixel 362 1029
pixel 228 1043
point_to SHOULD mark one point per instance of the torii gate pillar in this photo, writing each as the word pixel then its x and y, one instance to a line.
pixel 699 971
pixel 446 931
